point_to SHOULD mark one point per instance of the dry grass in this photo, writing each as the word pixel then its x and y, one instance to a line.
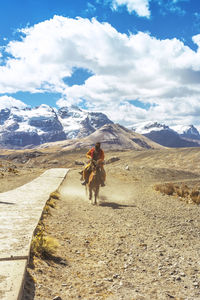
pixel 13 170
pixel 55 195
pixel 195 195
pixel 182 191
pixel 43 245
pixel 167 188
pixel 51 203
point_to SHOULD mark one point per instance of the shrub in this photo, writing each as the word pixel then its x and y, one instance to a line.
pixel 44 246
pixel 183 191
pixel 195 196
pixel 51 202
pixel 46 210
pixel 55 195
pixel 169 189
pixel 166 188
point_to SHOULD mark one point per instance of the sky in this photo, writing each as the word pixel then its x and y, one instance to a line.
pixel 134 60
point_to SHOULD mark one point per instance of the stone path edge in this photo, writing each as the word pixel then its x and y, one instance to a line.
pixel 24 275
pixel 14 266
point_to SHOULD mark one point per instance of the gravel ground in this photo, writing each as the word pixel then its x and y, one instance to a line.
pixel 135 244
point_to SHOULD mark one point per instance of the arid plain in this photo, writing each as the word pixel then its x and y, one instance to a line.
pixel 137 243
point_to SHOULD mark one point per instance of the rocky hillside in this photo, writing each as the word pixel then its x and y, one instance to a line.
pixel 112 137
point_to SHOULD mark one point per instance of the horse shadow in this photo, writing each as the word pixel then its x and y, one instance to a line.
pixel 113 205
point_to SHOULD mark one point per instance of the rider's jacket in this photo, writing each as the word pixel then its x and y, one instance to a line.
pixel 96 155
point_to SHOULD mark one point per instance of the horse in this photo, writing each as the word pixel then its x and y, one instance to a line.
pixel 94 182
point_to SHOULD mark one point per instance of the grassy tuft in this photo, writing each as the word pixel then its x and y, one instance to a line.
pixel 167 188
pixel 43 245
pixel 55 195
pixel 46 210
pixel 195 196
pixel 182 191
pixel 51 202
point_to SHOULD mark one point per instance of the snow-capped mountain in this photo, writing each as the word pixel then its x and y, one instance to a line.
pixel 177 136
pixel 35 126
pixel 187 131
pixel 147 127
pixel 78 123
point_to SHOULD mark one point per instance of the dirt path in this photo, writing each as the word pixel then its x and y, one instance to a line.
pixel 137 244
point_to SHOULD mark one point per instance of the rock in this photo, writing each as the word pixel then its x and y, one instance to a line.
pixel 112 159
pixel 63 262
pixel 57 298
pixel 127 168
pixel 196 284
pixel 115 276
pixel 79 163
pixel 108 279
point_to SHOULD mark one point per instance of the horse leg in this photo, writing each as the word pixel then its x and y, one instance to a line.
pixel 96 194
pixel 90 193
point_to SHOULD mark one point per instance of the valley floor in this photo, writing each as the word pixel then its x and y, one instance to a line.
pixel 136 244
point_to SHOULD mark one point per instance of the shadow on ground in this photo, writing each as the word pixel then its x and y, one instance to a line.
pixel 115 205
pixel 29 287
pixel 8 203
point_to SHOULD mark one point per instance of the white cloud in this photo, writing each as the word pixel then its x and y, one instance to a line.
pixel 196 39
pixel 141 7
pixel 8 102
pixel 123 67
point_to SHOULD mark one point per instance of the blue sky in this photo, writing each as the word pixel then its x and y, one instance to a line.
pixel 135 60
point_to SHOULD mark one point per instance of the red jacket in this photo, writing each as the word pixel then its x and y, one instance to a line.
pixel 90 154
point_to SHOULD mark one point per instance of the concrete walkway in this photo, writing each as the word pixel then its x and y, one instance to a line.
pixel 20 212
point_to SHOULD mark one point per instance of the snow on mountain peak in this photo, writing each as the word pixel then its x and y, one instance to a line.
pixel 22 127
pixel 146 127
pixel 189 131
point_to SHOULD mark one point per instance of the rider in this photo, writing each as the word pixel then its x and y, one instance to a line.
pixel 96 154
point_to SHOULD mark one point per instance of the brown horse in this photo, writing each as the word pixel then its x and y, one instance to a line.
pixel 94 182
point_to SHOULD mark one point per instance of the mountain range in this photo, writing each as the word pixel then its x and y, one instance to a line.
pixel 30 127
pixel 177 136
pixel 34 126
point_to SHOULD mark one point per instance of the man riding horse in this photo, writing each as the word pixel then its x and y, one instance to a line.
pixel 96 155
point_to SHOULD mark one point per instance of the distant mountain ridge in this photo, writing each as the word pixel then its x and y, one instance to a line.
pixel 178 136
pixel 35 126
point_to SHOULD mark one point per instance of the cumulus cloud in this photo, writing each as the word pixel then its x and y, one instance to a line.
pixel 123 67
pixel 8 102
pixel 140 7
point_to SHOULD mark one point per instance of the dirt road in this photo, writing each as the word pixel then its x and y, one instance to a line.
pixel 136 244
